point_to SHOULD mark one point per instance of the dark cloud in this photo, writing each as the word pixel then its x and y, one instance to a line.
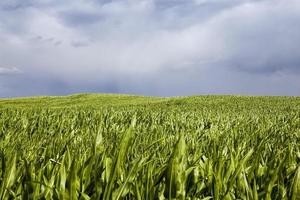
pixel 150 47
pixel 76 18
pixel 33 84
pixel 45 40
pixel 15 5
pixel 80 43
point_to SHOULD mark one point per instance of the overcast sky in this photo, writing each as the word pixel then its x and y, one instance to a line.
pixel 149 47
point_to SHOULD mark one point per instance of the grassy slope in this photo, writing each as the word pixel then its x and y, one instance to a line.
pixel 82 100
pixel 237 103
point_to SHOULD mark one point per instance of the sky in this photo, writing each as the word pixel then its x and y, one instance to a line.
pixel 149 47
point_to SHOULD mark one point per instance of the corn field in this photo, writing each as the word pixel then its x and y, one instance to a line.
pixel 126 147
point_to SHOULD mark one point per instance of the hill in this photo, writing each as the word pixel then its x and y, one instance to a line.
pixel 210 102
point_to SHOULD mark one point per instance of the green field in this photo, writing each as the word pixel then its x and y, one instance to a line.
pixel 92 146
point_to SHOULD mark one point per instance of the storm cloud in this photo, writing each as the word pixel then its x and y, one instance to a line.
pixel 150 47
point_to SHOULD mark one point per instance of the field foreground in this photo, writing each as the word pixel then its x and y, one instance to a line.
pixel 131 147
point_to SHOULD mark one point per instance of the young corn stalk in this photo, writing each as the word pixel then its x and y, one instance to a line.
pixel 176 171
pixel 119 162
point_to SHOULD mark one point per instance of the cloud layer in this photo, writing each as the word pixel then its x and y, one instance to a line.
pixel 150 47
